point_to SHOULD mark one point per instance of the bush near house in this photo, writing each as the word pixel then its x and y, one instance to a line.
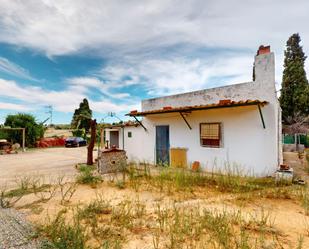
pixel 34 130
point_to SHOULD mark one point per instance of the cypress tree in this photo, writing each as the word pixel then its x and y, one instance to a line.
pixel 82 116
pixel 294 99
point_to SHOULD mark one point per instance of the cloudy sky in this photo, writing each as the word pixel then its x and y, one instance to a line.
pixel 117 52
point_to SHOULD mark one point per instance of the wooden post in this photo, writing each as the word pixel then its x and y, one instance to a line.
pixel 102 138
pixel 24 139
pixel 93 126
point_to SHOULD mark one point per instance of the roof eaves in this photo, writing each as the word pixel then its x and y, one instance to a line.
pixel 221 104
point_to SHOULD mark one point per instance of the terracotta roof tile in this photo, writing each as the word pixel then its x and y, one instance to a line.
pixel 222 104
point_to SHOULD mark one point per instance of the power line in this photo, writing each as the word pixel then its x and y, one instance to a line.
pixel 112 115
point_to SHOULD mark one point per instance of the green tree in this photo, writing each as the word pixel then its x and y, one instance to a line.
pixel 34 130
pixel 81 116
pixel 294 99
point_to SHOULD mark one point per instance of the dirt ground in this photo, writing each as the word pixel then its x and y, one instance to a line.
pixel 46 162
pixel 289 219
pixel 299 165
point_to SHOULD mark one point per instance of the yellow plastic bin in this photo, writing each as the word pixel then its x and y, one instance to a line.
pixel 178 157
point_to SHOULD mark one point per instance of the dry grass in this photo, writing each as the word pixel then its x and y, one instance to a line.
pixel 143 210
pixel 175 227
pixel 167 180
pixel 87 175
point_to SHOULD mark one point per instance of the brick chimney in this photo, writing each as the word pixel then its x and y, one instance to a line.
pixel 264 65
pixel 263 50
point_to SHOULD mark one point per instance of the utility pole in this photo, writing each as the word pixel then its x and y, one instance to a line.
pixel 50 112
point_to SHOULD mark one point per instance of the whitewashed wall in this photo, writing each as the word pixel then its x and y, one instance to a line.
pixel 120 131
pixel 135 146
pixel 138 147
pixel 245 143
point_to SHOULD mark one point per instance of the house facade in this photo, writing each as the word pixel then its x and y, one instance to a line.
pixel 236 126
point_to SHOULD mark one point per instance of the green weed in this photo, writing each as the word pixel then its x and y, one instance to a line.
pixel 96 207
pixel 87 176
pixel 65 235
pixel 67 190
pixel 203 228
pixel 304 198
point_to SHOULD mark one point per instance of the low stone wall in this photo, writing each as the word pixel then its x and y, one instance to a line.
pixel 292 147
pixel 111 161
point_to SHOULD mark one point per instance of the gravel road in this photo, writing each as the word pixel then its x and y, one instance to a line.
pixel 15 232
pixel 46 162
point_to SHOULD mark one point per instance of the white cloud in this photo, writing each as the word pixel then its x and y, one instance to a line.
pixel 151 30
pixel 63 101
pixel 35 96
pixel 83 84
pixel 15 107
pixel 105 106
pixel 168 76
pixel 154 44
pixel 60 27
pixel 85 81
pixel 11 68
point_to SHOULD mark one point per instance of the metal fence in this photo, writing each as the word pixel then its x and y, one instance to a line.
pixel 298 138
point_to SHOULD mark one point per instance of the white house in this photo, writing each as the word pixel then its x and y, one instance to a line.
pixel 238 125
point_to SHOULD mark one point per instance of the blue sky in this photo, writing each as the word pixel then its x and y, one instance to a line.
pixel 118 52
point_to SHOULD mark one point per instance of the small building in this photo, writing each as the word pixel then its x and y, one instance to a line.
pixel 118 135
pixel 236 126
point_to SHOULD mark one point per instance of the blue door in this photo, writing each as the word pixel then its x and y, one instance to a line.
pixel 162 145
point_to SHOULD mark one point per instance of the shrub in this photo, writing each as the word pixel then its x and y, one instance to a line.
pixel 7 200
pixel 64 235
pixel 96 207
pixel 87 175
pixel 34 130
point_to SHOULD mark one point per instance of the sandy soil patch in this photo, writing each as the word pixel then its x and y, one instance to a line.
pixel 135 210
pixel 50 132
pixel 47 162
pixel 287 216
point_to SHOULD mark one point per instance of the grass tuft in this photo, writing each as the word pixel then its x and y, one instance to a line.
pixel 87 176
pixel 63 234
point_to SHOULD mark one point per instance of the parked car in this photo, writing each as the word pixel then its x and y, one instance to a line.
pixel 75 142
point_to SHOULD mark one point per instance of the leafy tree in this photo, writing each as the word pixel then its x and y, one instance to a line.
pixel 81 116
pixel 82 119
pixel 34 130
pixel 294 99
